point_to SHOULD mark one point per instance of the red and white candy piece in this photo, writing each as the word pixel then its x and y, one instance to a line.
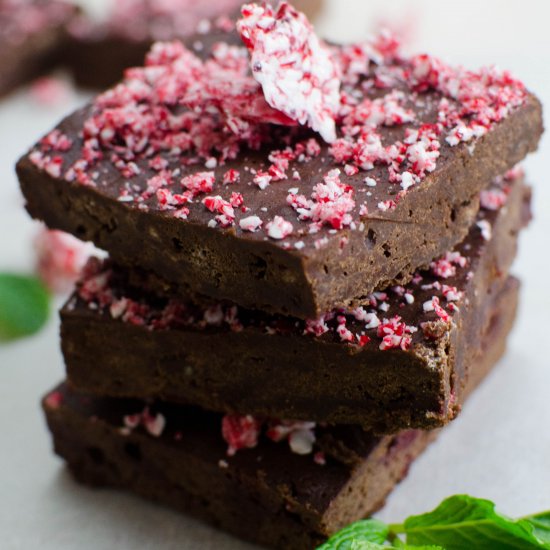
pixel 297 73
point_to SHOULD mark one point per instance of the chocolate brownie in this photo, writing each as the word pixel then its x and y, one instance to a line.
pixel 99 52
pixel 31 33
pixel 268 494
pixel 398 362
pixel 188 170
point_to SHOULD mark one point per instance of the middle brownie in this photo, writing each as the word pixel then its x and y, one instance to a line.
pixel 400 361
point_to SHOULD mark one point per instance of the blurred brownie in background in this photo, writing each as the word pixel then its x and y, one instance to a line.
pixel 32 34
pixel 101 50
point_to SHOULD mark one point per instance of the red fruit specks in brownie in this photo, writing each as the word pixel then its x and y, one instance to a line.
pixel 295 69
pixel 240 432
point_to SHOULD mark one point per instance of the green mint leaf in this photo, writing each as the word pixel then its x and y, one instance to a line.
pixel 541 526
pixel 364 545
pixel 24 306
pixel 360 532
pixel 463 522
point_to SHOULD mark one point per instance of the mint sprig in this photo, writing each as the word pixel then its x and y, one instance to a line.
pixel 460 522
pixel 24 306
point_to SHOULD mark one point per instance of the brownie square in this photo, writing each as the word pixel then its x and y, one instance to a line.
pixel 267 215
pixel 400 361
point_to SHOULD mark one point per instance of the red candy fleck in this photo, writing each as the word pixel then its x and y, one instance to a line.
pixel 154 424
pixel 250 223
pixel 231 176
pixel 434 305
pixel 54 400
pixel 279 228
pixel 300 435
pixel 201 182
pixel 395 334
pixel 493 199
pixel 240 432
pixel 60 258
pixel 49 91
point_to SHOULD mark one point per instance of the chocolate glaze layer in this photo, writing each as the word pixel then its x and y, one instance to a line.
pixel 267 495
pixel 263 364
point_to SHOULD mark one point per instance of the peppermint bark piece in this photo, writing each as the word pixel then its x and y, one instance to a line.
pixel 266 494
pixel 399 361
pixel 186 169
pixel 31 35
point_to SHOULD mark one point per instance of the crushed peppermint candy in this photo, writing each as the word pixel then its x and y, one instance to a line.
pixel 395 334
pixel 250 223
pixel 49 91
pixel 54 400
pixel 300 435
pixel 154 424
pixel 493 199
pixel 297 72
pixel 178 128
pixel 279 228
pixel 60 258
pixel 243 432
pixel 240 432
pixel 485 228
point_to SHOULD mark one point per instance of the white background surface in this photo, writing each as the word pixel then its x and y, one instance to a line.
pixel 499 448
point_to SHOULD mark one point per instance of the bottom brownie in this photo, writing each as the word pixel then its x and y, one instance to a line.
pixel 269 494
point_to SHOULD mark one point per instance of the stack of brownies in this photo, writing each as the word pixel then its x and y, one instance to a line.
pixel 309 269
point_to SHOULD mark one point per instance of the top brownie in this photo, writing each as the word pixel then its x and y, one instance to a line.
pixel 296 177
